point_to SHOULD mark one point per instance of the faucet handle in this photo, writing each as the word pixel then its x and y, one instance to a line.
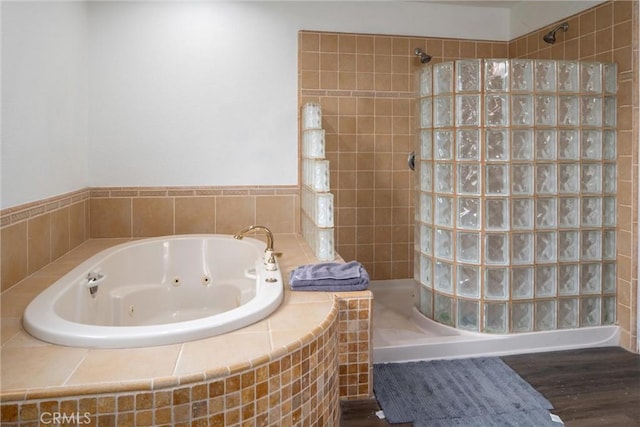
pixel 270 260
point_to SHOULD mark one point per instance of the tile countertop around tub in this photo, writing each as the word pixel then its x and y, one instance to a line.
pixel 32 368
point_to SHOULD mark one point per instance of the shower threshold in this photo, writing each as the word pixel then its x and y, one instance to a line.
pixel 401 333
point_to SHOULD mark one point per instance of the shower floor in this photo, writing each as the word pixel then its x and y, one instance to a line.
pixel 401 333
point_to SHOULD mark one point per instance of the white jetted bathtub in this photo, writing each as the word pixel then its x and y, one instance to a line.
pixel 157 291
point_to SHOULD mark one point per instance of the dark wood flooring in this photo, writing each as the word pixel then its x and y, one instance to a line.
pixel 596 387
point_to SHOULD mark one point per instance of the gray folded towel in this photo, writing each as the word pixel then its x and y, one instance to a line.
pixel 330 277
pixel 328 270
pixel 335 288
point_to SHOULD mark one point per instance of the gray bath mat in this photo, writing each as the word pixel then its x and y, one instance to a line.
pixel 463 392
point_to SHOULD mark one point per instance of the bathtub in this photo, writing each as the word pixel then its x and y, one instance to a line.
pixel 157 291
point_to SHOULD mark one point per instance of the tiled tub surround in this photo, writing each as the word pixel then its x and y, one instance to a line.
pixel 35 234
pixel 289 369
pixel 517 195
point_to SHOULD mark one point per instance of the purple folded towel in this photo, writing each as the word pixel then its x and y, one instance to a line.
pixel 330 277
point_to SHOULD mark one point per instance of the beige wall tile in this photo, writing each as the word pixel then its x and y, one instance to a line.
pixel 346 216
pixel 451 49
pixel 309 42
pixel 484 50
pixel 382 81
pixel 587 22
pixel 604 16
pixel 78 213
pixel 309 61
pixel 347 80
pixel 310 79
pixel 234 213
pixel 276 213
pixel 467 49
pixel 346 235
pixel 39 235
pixel 13 240
pixel 328 80
pixel 347 43
pixel 382 63
pixel 365 80
pixel 110 217
pixel 152 216
pixel 348 252
pixel 347 62
pixel 401 269
pixel 587 46
pixel 195 215
pixel 60 240
pixel 382 271
pixel 328 62
pixel 328 42
pixel 364 44
pixel 500 50
pixel 604 40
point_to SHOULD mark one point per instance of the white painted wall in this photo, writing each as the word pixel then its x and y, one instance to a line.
pixel 179 93
pixel 44 100
pixel 206 93
pixel 527 16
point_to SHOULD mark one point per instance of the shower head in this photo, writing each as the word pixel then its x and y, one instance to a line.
pixel 424 57
pixel 550 37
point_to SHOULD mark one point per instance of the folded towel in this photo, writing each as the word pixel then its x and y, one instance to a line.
pixel 337 288
pixel 328 270
pixel 330 277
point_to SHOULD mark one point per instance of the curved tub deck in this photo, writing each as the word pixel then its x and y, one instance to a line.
pixel 289 369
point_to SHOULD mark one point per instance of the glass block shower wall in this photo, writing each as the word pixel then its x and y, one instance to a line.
pixel 516 201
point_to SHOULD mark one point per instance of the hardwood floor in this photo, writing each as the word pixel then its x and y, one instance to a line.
pixel 596 387
pixel 590 387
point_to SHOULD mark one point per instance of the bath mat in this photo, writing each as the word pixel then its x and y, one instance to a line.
pixel 462 392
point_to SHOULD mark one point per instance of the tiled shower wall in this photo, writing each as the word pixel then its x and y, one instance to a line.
pixel 608 33
pixel 364 84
